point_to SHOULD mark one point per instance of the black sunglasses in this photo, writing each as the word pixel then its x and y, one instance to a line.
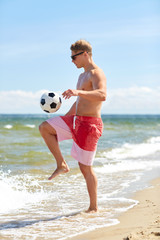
pixel 74 56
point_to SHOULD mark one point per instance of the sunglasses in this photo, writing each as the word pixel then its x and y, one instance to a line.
pixel 74 56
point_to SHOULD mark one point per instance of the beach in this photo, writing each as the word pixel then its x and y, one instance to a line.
pixel 126 161
pixel 142 222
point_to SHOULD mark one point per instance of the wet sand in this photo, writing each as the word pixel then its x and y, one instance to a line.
pixel 142 222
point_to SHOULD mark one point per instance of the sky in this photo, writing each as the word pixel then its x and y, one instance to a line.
pixel 35 39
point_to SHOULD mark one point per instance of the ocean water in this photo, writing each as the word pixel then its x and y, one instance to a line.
pixel 31 207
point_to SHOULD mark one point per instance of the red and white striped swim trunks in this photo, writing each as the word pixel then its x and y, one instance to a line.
pixel 85 132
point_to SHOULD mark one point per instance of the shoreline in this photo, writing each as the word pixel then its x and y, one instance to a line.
pixel 142 222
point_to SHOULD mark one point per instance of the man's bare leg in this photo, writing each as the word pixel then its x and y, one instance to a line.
pixel 91 181
pixel 49 135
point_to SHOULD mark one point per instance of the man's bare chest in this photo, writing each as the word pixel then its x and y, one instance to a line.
pixel 84 82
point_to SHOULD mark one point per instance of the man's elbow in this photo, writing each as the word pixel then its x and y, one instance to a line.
pixel 103 96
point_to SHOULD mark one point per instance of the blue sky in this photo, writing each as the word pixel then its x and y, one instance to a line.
pixel 35 51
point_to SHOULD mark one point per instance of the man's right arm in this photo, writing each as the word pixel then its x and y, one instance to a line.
pixel 72 110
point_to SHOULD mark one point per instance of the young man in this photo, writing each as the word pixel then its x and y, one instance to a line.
pixel 82 123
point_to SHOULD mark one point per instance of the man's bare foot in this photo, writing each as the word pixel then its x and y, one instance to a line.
pixel 90 210
pixel 58 171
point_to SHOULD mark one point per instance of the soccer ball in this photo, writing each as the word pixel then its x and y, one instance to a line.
pixel 50 102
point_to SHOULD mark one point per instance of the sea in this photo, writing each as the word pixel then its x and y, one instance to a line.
pixel 34 208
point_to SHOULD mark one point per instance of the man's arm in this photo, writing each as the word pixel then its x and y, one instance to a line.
pixel 72 110
pixel 98 93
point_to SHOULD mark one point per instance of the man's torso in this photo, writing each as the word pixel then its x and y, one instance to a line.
pixel 85 107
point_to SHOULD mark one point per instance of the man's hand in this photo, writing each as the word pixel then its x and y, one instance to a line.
pixel 69 93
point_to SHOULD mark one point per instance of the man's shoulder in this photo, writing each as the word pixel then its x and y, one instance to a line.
pixel 97 72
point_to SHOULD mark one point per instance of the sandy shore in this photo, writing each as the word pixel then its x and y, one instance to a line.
pixel 140 222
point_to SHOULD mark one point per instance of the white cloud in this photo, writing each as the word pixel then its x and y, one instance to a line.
pixel 122 100
pixel 133 100
pixel 26 102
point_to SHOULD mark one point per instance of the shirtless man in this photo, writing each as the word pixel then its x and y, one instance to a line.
pixel 82 122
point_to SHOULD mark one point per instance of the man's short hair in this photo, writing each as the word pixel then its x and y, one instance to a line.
pixel 82 45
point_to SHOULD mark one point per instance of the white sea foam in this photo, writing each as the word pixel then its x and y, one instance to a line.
pixel 151 146
pixel 30 125
pixel 18 190
pixel 126 165
pixel 25 197
pixel 154 140
pixel 8 126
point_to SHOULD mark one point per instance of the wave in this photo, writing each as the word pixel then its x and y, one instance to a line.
pixel 126 165
pixel 21 191
pixel 127 150
pixel 8 126
pixel 30 125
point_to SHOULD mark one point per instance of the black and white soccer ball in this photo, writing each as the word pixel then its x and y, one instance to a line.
pixel 50 102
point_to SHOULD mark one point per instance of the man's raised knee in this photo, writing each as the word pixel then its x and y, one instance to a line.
pixel 45 127
pixel 42 127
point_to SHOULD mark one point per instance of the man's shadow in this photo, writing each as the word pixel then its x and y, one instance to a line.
pixel 24 223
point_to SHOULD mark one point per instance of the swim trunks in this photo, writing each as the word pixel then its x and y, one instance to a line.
pixel 85 132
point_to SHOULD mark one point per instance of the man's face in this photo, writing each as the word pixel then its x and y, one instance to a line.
pixel 77 58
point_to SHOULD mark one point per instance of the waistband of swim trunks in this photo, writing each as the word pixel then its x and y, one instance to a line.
pixel 89 119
